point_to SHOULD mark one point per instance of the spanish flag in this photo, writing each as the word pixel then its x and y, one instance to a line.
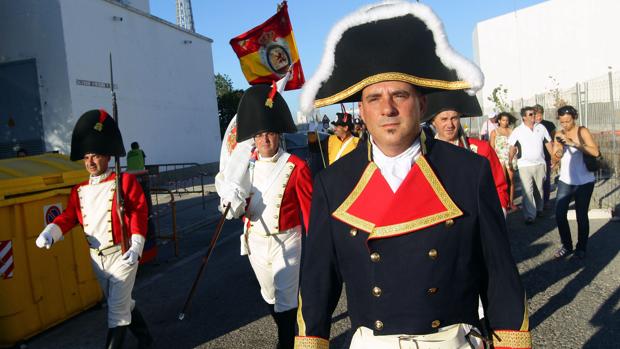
pixel 268 51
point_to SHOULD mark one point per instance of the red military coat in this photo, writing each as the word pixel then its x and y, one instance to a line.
pixel 483 148
pixel 136 210
pixel 296 198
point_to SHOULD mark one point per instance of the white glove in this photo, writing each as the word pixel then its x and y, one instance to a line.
pixel 135 250
pixel 237 205
pixel 52 233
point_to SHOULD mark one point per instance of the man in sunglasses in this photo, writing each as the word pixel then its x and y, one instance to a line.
pixel 533 139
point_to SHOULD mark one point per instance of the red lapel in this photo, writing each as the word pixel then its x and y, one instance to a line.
pixel 420 202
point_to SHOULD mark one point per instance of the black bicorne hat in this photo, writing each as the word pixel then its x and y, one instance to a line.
pixel 391 41
pixel 262 109
pixel 343 119
pixel 459 101
pixel 97 133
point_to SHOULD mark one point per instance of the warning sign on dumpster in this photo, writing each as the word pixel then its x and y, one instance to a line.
pixel 51 211
pixel 6 260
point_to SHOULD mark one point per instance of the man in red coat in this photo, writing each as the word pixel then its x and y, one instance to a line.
pixel 445 110
pixel 92 204
pixel 274 201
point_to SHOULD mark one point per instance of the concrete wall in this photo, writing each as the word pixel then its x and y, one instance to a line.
pixel 570 40
pixel 164 75
pixel 32 29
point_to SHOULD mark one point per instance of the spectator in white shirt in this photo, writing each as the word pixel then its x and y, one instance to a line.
pixel 531 162
pixel 487 127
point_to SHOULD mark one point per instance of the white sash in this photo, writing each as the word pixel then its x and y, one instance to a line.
pixel 343 147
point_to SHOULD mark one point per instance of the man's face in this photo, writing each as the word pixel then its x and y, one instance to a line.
pixel 267 143
pixel 528 119
pixel 391 111
pixel 96 164
pixel 341 131
pixel 538 117
pixel 447 125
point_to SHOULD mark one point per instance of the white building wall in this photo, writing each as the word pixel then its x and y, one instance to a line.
pixel 32 29
pixel 166 90
pixel 570 40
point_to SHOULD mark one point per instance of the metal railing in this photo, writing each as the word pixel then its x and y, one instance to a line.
pixel 159 212
pixel 179 178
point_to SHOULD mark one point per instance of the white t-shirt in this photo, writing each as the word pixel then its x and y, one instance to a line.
pixel 532 144
pixel 572 168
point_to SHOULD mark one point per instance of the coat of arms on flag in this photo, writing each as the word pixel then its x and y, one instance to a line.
pixel 267 52
pixel 6 259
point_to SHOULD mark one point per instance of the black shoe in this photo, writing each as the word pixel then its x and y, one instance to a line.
pixel 539 214
pixel 116 337
pixel 286 328
pixel 529 221
pixel 580 254
pixel 139 329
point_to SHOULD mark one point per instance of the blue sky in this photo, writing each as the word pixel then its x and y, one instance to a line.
pixel 312 20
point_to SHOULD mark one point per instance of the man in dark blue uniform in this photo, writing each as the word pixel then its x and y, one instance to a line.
pixel 411 225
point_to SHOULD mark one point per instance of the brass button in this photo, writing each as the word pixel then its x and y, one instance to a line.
pixel 278 205
pixel 432 253
pixel 275 217
pixel 435 324
pixel 449 223
pixel 378 325
pixel 353 231
pixel 376 291
pixel 279 195
pixel 375 257
pixel 432 290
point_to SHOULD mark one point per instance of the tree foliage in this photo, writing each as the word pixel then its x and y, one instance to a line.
pixel 223 84
pixel 499 97
pixel 227 100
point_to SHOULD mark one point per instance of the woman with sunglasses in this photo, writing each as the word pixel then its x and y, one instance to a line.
pixel 575 182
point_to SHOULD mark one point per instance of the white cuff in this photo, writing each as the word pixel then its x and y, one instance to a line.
pixel 137 243
pixel 55 231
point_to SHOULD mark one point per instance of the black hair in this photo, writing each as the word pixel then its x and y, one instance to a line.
pixel 524 110
pixel 135 145
pixel 568 109
pixel 511 118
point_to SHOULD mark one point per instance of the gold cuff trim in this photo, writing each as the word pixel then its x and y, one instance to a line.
pixel 390 76
pixel 311 343
pixel 512 339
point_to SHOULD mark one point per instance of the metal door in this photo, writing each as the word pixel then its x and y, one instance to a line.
pixel 20 109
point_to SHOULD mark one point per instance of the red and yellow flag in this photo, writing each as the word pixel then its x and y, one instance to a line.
pixel 266 52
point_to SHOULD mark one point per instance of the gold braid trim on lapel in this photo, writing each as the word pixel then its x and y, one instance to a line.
pixel 452 210
pixel 512 339
pixel 311 343
pixel 341 212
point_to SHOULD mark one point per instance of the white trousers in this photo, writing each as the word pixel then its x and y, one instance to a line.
pixel 532 178
pixel 449 337
pixel 275 260
pixel 116 280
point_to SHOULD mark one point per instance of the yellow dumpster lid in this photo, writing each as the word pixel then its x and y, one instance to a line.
pixel 38 173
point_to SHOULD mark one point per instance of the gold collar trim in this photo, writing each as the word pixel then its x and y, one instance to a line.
pixel 451 209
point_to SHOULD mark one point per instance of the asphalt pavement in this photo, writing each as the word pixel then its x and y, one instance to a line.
pixel 573 303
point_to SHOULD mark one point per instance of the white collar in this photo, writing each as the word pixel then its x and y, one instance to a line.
pixel 395 168
pixel 100 178
pixel 272 158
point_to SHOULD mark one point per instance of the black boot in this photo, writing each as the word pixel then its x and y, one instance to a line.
pixel 116 337
pixel 286 328
pixel 139 329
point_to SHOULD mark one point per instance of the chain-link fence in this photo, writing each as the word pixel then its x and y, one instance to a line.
pixel 598 103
